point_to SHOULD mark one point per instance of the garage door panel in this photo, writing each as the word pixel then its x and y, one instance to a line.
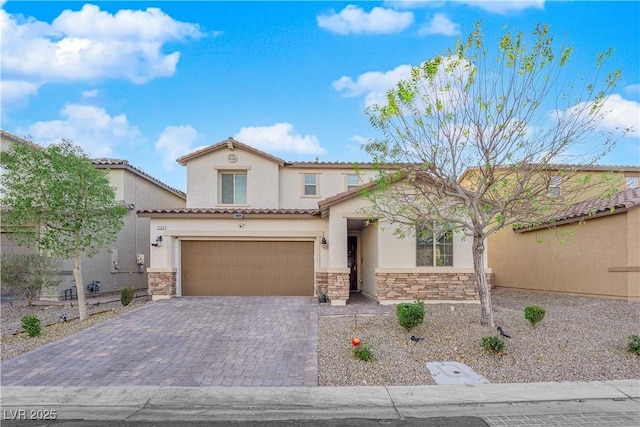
pixel 227 268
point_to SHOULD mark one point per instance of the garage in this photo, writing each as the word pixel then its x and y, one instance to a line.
pixel 251 268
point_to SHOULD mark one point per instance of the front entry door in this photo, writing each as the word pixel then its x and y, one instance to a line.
pixel 352 262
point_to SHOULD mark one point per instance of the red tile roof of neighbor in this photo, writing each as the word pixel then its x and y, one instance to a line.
pixel 597 207
pixel 228 211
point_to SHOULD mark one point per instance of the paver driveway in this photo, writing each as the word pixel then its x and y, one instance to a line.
pixel 208 341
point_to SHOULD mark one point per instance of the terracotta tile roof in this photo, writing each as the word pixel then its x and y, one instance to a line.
pixel 345 195
pixel 229 142
pixel 13 137
pixel 215 211
pixel 108 163
pixel 596 207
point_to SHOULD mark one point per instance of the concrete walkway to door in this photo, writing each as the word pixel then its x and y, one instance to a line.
pixel 194 341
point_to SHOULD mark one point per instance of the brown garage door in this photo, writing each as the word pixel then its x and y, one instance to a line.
pixel 230 268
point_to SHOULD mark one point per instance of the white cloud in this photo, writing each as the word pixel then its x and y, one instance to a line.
pixel 354 20
pixel 91 45
pixel 90 93
pixel 621 114
pixel 279 137
pixel 505 7
pixel 372 84
pixel 174 142
pixel 13 91
pixel 413 4
pixel 615 117
pixel 440 24
pixel 89 127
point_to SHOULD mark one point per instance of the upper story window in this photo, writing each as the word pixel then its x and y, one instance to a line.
pixel 310 184
pixel 352 181
pixel 632 182
pixel 434 248
pixel 233 188
pixel 554 186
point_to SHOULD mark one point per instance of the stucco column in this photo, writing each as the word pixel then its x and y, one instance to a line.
pixel 337 273
pixel 337 242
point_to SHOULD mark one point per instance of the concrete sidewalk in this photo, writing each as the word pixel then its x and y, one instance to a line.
pixel 181 404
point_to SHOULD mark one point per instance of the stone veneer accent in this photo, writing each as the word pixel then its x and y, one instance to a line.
pixel 162 283
pixel 428 286
pixel 334 285
pixel 321 285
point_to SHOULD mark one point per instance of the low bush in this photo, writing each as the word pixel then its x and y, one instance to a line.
pixel 634 344
pixel 363 352
pixel 126 295
pixel 492 343
pixel 534 314
pixel 410 315
pixel 31 324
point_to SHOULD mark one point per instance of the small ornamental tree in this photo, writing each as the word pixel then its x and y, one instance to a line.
pixel 28 274
pixel 468 146
pixel 54 197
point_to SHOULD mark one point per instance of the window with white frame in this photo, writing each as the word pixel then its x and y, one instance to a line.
pixel 352 181
pixel 632 182
pixel 310 184
pixel 554 186
pixel 233 189
pixel 434 247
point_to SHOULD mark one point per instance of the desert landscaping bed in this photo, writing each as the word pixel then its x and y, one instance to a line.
pixel 580 339
pixel 15 342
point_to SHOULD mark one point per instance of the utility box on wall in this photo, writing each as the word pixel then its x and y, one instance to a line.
pixel 115 261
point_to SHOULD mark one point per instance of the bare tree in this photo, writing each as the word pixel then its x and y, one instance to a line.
pixel 474 148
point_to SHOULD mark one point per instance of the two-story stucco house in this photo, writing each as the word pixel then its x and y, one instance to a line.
pixel 125 261
pixel 257 225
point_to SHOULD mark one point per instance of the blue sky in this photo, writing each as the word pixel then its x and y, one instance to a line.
pixel 151 81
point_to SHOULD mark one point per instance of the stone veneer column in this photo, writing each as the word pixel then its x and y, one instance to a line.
pixel 338 287
pixel 162 285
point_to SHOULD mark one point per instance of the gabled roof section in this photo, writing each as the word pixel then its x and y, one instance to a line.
pixel 593 208
pixel 107 163
pixel 14 138
pixel 228 213
pixel 325 204
pixel 230 144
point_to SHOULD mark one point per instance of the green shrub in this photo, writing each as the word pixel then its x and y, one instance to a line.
pixel 363 352
pixel 634 344
pixel 492 343
pixel 410 315
pixel 534 314
pixel 126 295
pixel 31 324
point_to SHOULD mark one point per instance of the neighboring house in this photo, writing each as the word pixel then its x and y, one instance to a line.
pixel 125 261
pixel 594 248
pixel 257 225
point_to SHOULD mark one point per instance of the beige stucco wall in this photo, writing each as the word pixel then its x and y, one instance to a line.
pixel 203 185
pixel 331 181
pixel 370 257
pixel 133 238
pixel 166 258
pixel 580 265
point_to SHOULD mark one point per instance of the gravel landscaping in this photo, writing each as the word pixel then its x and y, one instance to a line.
pixel 580 339
pixel 15 342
